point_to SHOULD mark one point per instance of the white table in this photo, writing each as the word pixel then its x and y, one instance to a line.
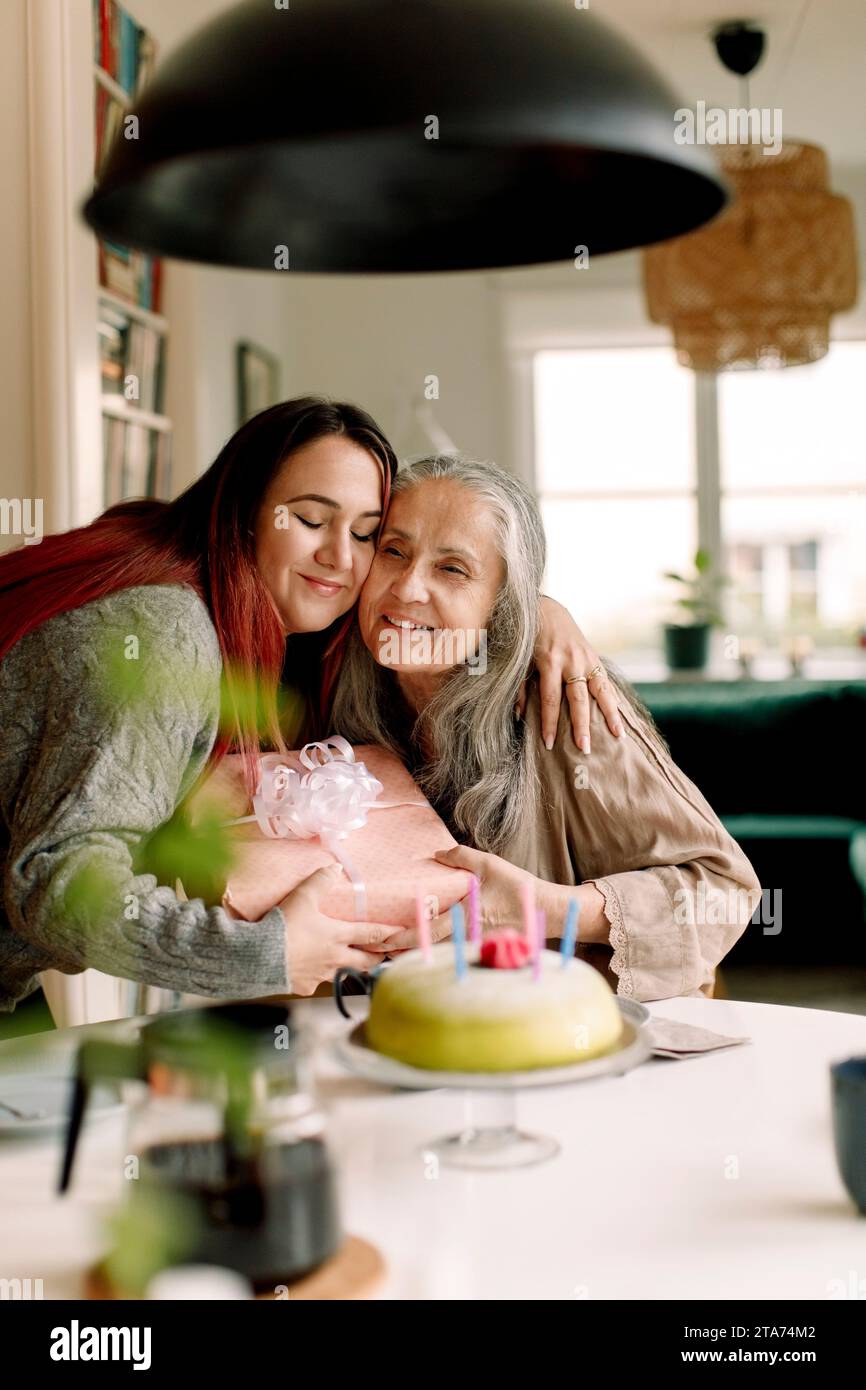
pixel 712 1178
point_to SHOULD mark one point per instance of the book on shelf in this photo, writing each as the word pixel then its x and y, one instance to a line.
pixel 113 442
pixel 136 454
pixel 122 48
pixel 109 118
pixel 132 275
pixel 127 53
pixel 132 358
pixel 137 461
pixel 159 480
pixel 113 327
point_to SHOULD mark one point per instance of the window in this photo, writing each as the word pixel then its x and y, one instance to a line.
pixel 617 471
pixel 793 484
pixel 615 447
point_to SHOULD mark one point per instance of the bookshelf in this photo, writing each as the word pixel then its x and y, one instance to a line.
pixel 133 334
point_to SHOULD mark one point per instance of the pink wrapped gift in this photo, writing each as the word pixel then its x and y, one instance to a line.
pixel 328 801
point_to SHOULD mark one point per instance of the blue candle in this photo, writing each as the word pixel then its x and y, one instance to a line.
pixel 569 936
pixel 458 932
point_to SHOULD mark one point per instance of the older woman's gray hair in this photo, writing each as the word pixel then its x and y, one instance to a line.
pixel 478 767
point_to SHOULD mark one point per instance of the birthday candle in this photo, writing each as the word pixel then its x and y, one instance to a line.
pixel 459 933
pixel 540 938
pixel 527 895
pixel 423 925
pixel 569 936
pixel 474 913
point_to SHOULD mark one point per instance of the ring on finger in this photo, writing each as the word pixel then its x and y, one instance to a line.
pixel 570 680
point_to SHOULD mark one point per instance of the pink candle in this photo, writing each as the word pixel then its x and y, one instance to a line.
pixel 527 894
pixel 474 910
pixel 423 925
pixel 540 938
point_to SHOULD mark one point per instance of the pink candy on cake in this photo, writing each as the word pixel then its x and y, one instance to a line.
pixel 505 950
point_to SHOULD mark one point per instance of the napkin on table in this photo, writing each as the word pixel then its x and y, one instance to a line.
pixel 670 1038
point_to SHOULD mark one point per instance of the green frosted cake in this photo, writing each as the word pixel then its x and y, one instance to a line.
pixel 497 1017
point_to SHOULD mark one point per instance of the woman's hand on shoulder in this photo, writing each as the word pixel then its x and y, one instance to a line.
pixel 562 654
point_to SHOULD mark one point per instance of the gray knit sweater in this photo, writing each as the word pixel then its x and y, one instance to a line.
pixel 107 716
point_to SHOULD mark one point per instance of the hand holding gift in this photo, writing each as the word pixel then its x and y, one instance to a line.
pixel 319 945
pixel 330 805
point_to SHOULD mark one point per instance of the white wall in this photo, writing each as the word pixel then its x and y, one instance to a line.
pixel 209 311
pixel 375 339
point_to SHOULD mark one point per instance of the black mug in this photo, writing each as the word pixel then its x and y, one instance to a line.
pixel 366 981
pixel 849 1125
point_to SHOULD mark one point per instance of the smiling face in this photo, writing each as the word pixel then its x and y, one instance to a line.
pixel 315 531
pixel 437 568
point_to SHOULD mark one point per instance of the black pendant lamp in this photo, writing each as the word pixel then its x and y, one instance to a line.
pixel 402 135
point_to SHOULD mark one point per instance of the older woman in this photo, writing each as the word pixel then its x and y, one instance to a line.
pixel 447 622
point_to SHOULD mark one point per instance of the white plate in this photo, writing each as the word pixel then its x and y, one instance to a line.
pixel 39 1091
pixel 353 1051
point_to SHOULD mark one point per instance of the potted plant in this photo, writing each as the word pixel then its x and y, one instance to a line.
pixel 687 643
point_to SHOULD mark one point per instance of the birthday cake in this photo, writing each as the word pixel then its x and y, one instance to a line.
pixel 502 1012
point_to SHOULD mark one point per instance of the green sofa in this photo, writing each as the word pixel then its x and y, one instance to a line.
pixel 783 763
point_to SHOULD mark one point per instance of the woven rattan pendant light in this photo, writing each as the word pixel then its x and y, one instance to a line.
pixel 758 286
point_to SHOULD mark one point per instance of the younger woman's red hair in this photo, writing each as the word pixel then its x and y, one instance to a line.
pixel 203 538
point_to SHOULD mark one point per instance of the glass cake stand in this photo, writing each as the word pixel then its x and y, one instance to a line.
pixel 490 1137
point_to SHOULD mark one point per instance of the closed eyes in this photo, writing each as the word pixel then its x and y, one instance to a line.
pixel 317 526
pixel 446 569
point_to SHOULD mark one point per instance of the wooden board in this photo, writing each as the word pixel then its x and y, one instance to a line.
pixel 355 1272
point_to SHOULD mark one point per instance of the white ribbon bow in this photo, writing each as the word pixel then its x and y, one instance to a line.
pixel 329 800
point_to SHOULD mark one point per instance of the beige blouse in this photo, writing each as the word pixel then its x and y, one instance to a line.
pixel 678 890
